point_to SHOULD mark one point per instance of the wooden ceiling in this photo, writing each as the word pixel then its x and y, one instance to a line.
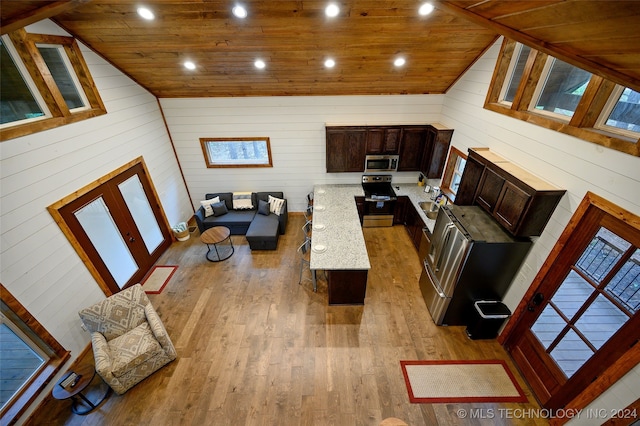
pixel 295 37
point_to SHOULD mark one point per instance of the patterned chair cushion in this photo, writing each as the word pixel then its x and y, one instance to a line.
pixel 118 314
pixel 132 349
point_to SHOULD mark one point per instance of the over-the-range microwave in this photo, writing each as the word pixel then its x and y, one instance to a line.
pixel 381 163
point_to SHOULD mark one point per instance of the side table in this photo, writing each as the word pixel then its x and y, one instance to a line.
pixel 80 403
pixel 213 237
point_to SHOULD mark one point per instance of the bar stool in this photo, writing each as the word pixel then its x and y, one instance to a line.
pixel 305 259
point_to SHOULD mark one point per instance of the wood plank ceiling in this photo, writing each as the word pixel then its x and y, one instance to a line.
pixel 295 37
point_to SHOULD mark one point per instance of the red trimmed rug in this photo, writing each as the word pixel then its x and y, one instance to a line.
pixel 159 276
pixel 443 382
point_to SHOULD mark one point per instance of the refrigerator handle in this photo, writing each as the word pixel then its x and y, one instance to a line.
pixel 445 243
pixel 434 281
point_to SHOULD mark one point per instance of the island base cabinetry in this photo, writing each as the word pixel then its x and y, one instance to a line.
pixel 347 287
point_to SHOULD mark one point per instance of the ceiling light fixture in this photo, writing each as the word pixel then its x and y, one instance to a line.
pixel 399 62
pixel 189 65
pixel 239 11
pixel 259 64
pixel 146 13
pixel 329 63
pixel 425 9
pixel 332 10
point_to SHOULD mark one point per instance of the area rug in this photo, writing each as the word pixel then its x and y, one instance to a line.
pixel 158 278
pixel 440 382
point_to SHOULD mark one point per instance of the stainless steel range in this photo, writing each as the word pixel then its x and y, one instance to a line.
pixel 379 201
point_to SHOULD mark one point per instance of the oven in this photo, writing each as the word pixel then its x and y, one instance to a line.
pixel 379 201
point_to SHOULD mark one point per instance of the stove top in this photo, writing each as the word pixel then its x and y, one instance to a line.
pixel 378 188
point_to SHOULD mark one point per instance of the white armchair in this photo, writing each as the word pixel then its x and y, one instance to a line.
pixel 129 341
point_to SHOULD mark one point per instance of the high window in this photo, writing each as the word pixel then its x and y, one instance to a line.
pixel 237 152
pixel 532 86
pixel 45 84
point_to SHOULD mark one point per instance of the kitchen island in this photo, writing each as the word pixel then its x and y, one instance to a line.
pixel 337 243
pixel 338 246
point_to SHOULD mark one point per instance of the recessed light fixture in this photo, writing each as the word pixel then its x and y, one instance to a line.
pixel 332 10
pixel 329 63
pixel 189 65
pixel 146 13
pixel 399 62
pixel 239 11
pixel 425 9
pixel 259 64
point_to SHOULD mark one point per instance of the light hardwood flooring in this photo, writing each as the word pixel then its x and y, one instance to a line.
pixel 256 348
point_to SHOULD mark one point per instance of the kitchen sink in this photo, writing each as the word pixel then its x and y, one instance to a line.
pixel 429 208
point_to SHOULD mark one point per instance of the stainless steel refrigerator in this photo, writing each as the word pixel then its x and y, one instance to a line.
pixel 471 257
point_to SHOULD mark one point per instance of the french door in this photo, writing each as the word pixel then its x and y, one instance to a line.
pixel 119 227
pixel 583 315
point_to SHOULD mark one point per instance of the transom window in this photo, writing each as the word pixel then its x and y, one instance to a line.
pixel 560 88
pixel 237 152
pixel 30 101
pixel 532 86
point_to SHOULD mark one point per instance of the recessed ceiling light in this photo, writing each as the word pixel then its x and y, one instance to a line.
pixel 146 13
pixel 332 10
pixel 425 9
pixel 259 64
pixel 399 62
pixel 239 11
pixel 189 65
pixel 329 63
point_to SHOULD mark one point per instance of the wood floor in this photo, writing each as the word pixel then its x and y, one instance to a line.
pixel 256 348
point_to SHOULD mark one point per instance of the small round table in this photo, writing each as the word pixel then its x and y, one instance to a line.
pixel 213 237
pixel 81 404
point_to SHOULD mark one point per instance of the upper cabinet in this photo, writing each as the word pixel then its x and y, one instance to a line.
pixel 521 202
pixel 383 140
pixel 421 148
pixel 346 149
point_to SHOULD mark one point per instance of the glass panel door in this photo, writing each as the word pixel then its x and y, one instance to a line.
pixel 138 204
pixel 98 224
pixel 598 296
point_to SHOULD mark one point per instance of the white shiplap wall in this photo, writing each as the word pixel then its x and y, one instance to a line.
pixel 38 265
pixel 296 128
pixel 563 160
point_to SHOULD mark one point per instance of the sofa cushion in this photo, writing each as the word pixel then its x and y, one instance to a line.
pixel 263 208
pixel 206 204
pixel 233 217
pixel 275 205
pixel 219 209
pixel 227 197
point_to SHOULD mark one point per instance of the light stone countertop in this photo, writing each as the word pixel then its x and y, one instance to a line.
pixel 334 207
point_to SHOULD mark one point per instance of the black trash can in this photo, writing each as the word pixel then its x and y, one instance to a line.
pixel 486 319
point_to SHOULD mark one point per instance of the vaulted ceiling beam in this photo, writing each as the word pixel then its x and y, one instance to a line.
pixel 44 12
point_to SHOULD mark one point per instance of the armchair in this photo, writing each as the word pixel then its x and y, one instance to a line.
pixel 129 341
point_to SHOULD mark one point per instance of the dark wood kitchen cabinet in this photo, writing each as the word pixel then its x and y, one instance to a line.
pixel 412 148
pixel 521 202
pixel 360 207
pixel 413 224
pixel 346 149
pixel 436 150
pixel 383 140
pixel 400 212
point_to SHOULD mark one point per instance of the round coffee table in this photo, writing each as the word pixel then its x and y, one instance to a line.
pixel 81 404
pixel 213 237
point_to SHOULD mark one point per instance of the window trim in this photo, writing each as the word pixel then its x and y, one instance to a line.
pixel 25 45
pixel 587 112
pixel 449 171
pixel 58 356
pixel 211 164
pixel 510 70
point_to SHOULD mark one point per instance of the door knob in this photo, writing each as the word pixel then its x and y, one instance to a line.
pixel 131 239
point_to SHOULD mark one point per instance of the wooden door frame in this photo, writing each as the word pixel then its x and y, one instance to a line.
pixel 509 335
pixel 57 216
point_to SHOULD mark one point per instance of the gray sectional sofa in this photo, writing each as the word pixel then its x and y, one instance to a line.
pixel 261 230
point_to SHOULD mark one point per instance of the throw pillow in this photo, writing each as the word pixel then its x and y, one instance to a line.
pixel 263 208
pixel 206 204
pixel 220 208
pixel 275 205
